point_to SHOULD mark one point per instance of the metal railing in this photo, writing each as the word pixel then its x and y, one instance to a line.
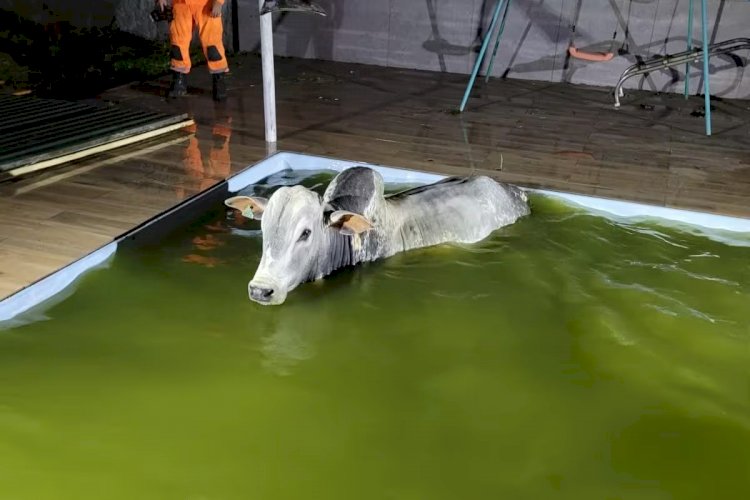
pixel 677 59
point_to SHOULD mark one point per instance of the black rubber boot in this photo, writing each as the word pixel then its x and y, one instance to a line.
pixel 178 88
pixel 220 87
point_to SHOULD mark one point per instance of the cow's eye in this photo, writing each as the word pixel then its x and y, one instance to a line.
pixel 305 234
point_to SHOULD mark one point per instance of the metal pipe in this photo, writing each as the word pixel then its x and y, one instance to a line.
pixel 269 82
pixel 689 47
pixel 706 56
pixel 478 63
pixel 497 42
pixel 695 55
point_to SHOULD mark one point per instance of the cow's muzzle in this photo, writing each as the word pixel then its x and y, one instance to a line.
pixel 265 293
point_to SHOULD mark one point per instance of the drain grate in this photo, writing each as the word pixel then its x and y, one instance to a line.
pixel 35 133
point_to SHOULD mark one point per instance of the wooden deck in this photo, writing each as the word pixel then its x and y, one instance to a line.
pixel 535 134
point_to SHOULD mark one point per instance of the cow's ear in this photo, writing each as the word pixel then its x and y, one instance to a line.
pixel 250 207
pixel 349 223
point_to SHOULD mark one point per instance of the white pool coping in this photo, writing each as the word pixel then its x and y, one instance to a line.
pixel 52 285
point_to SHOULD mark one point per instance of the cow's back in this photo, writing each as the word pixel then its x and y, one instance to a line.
pixel 456 209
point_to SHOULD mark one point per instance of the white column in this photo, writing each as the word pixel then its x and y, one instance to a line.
pixel 269 83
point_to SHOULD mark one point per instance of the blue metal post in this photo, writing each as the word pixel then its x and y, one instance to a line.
pixel 497 41
pixel 689 47
pixel 706 90
pixel 478 64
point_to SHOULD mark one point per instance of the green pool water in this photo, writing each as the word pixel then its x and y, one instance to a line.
pixel 568 356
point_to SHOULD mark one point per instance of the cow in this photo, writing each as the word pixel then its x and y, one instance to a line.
pixel 307 237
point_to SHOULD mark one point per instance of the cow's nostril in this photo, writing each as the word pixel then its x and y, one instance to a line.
pixel 260 294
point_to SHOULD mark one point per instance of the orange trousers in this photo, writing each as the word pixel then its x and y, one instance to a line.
pixel 189 14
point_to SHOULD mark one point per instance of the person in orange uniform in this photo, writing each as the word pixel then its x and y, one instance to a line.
pixel 206 16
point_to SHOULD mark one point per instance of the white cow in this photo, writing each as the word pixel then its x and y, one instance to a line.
pixel 306 237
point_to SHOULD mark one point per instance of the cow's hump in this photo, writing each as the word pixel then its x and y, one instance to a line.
pixel 356 189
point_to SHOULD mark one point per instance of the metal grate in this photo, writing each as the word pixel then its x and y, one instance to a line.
pixel 35 130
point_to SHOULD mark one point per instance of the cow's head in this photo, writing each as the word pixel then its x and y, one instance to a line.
pixel 297 239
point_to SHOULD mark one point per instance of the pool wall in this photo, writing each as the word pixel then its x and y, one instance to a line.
pixel 151 231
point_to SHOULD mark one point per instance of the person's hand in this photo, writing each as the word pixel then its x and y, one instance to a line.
pixel 161 4
pixel 216 9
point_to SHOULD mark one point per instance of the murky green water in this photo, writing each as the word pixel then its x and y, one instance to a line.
pixel 567 357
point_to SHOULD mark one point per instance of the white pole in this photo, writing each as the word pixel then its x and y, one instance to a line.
pixel 269 83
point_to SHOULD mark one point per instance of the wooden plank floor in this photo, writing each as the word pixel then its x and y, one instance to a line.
pixel 554 136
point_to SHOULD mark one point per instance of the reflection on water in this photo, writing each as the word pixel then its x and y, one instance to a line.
pixel 567 356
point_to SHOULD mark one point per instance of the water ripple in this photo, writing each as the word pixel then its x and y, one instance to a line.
pixel 680 307
pixel 677 269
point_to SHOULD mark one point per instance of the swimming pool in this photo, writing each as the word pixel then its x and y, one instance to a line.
pixel 571 355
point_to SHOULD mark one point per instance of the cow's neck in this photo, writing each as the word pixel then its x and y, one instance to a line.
pixel 387 239
pixel 337 252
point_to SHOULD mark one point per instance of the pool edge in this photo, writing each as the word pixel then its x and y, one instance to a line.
pixel 54 283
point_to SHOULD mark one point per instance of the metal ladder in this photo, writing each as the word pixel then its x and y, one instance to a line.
pixel 685 57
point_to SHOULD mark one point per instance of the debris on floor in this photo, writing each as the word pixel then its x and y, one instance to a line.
pixel 700 111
